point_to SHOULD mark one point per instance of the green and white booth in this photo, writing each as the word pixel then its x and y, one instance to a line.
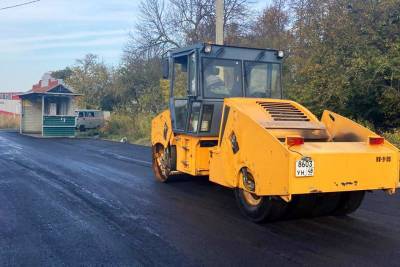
pixel 48 113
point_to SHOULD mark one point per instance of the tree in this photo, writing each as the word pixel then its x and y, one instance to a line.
pixel 166 24
pixel 62 74
pixel 271 27
pixel 345 58
pixel 91 78
pixel 138 84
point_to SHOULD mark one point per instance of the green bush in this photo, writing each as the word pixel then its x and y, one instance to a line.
pixel 135 128
pixel 393 137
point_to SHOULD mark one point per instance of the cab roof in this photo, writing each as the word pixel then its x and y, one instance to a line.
pixel 231 52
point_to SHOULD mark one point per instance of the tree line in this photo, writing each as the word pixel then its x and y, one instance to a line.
pixel 342 55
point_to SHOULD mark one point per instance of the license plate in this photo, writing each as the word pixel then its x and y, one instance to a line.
pixel 304 168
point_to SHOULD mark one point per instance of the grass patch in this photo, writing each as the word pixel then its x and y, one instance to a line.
pixel 393 137
pixel 89 133
pixel 134 129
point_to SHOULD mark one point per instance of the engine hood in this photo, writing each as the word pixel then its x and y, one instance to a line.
pixel 281 117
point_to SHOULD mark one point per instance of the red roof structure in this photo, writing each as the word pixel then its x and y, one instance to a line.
pixel 49 85
pixel 46 84
pixel 41 88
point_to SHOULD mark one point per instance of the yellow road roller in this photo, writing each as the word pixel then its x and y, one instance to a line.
pixel 228 120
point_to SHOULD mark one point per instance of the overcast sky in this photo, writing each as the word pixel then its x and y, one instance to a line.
pixel 52 34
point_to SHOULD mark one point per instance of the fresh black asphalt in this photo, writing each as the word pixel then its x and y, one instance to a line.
pixel 81 202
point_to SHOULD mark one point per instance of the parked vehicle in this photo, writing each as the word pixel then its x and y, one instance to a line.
pixel 227 119
pixel 90 119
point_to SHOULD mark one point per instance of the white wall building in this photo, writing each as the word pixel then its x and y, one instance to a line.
pixel 10 104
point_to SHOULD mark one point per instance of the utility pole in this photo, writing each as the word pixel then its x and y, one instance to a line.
pixel 219 25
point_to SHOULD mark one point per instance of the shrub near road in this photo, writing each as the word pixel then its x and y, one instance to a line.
pixel 393 137
pixel 136 129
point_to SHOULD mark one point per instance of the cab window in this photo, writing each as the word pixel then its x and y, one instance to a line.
pixel 192 74
pixel 181 113
pixel 222 78
pixel 276 91
pixel 262 80
pixel 180 88
pixel 194 117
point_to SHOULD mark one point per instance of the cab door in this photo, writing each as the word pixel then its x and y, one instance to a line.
pixel 183 90
pixel 183 98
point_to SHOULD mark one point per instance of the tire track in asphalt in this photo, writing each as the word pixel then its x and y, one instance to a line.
pixel 129 224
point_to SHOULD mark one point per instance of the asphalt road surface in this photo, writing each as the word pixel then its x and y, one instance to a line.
pixel 92 202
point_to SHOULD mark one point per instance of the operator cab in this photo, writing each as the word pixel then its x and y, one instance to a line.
pixel 202 75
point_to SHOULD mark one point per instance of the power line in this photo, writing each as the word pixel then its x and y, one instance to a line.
pixel 18 5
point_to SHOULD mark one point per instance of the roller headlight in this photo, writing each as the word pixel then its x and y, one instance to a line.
pixel 208 48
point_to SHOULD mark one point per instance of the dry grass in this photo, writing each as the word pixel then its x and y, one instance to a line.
pixel 135 128
pixel 9 122
pixel 393 137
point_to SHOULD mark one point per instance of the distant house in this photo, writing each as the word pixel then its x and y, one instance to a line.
pixel 9 95
pixel 10 104
pixel 48 109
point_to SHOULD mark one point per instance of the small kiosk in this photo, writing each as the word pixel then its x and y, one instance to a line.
pixel 48 110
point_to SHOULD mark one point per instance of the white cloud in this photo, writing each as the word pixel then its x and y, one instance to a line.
pixel 95 43
pixel 71 11
pixel 63 36
pixel 66 40
pixel 69 58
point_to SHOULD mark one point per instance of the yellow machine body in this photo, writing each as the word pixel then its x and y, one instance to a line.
pixel 344 159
